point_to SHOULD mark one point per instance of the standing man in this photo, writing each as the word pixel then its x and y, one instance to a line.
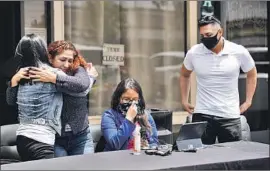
pixel 217 62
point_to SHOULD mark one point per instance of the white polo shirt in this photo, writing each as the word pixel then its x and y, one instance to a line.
pixel 217 78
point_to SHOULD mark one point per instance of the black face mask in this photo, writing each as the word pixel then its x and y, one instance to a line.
pixel 210 42
pixel 123 107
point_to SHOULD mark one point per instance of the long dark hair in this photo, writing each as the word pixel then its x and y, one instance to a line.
pixel 128 83
pixel 32 51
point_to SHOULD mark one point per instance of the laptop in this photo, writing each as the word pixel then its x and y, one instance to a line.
pixel 189 136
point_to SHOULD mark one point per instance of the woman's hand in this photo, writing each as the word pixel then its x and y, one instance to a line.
pixel 42 74
pixel 132 112
pixel 91 70
pixel 21 74
pixel 144 143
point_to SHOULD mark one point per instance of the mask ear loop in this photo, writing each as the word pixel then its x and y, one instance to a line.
pixel 220 38
pixel 217 34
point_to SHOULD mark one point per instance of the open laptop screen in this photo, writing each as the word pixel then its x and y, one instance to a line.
pixel 192 130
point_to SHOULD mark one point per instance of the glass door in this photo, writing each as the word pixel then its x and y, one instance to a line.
pixel 35 18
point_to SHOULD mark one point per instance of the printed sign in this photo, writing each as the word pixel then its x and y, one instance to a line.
pixel 113 54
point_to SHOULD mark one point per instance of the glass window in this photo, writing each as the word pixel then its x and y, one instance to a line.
pixel 35 18
pixel 153 35
pixel 245 23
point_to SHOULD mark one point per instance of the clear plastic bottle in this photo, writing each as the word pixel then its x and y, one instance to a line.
pixel 137 140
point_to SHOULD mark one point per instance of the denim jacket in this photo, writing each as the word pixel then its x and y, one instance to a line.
pixel 40 103
pixel 117 130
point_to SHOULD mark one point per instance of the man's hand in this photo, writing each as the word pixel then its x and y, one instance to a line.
pixel 188 107
pixel 42 75
pixel 244 106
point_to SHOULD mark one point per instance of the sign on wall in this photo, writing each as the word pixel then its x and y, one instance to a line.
pixel 113 54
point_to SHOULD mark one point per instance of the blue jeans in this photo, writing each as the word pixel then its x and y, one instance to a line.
pixel 70 144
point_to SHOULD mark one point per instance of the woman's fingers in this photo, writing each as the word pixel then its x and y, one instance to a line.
pixel 89 65
pixel 34 72
pixel 36 80
pixel 34 76
pixel 36 69
pixel 23 70
pixel 25 77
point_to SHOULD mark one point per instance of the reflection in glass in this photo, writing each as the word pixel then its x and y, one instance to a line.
pixel 34 18
pixel 245 23
pixel 153 35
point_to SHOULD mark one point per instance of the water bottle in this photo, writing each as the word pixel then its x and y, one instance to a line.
pixel 137 140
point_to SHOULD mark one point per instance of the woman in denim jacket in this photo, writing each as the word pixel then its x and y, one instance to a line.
pixel 39 104
pixel 75 134
pixel 127 108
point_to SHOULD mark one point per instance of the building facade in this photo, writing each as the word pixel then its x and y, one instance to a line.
pixel 156 35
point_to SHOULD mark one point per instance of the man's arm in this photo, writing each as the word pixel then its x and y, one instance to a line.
pixel 185 87
pixel 251 84
pixel 248 66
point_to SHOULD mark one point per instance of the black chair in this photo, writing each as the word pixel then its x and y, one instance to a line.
pixel 246 134
pixel 163 120
pixel 100 146
pixel 9 153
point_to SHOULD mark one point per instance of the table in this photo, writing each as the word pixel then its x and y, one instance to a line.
pixel 233 155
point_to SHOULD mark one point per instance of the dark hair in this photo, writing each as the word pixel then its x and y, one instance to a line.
pixel 128 83
pixel 57 47
pixel 208 19
pixel 32 50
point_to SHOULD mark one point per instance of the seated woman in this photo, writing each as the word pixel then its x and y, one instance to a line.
pixel 127 108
